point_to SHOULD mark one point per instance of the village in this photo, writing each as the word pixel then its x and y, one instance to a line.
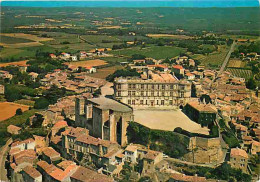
pixel 90 131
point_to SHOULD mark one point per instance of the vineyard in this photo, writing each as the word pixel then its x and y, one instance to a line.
pixel 236 63
pixel 243 73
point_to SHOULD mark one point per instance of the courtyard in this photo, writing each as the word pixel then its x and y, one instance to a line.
pixel 167 120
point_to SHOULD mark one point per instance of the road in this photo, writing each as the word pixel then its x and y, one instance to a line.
pixel 3 151
pixel 227 57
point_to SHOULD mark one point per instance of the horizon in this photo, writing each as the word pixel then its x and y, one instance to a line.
pixel 132 3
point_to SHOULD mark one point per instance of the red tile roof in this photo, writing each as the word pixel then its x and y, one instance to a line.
pixel 238 152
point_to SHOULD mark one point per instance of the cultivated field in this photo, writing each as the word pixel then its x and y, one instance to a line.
pixel 167 120
pixel 8 109
pixel 168 36
pixel 12 40
pixel 94 62
pixel 26 36
pixel 156 52
pixel 214 59
pixel 104 72
pixel 240 72
pixel 18 63
pixel 236 63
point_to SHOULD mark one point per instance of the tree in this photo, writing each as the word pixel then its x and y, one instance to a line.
pixel 41 103
pixel 19 111
pixel 251 84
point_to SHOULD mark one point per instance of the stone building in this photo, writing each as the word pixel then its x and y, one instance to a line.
pixel 106 154
pixel 205 114
pixel 105 118
pixel 152 91
pixel 238 159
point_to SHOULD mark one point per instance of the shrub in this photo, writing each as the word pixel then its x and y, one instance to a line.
pixel 19 111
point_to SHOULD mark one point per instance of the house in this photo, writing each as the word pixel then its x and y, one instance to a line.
pixel 150 159
pixel 64 56
pixel 83 174
pixel 90 69
pixel 53 56
pixel 255 147
pixel 178 70
pixel 30 174
pixel 238 159
pixel 24 145
pixel 58 126
pixel 74 58
pixel 131 153
pixel 186 178
pixel 205 114
pixel 5 75
pixel 50 155
pixel 14 130
pixel 189 76
pixel 2 89
pixel 192 62
pixel 201 68
pixel 33 76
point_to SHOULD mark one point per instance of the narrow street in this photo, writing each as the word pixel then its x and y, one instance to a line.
pixel 3 152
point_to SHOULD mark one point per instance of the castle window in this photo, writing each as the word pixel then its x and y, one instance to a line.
pixel 171 87
pixel 129 93
pixel 119 86
pixel 162 102
pixel 162 93
pixel 142 93
pixel 171 94
pixel 141 102
pixel 133 93
pixel 152 86
pixel 133 86
pixel 129 86
pixel 182 94
pixel 142 86
pixel 146 102
pixel 157 102
pixel 170 102
pixel 163 86
pixel 133 102
pixel 119 93
pixel 129 102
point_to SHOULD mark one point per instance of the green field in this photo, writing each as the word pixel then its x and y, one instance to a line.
pixel 214 59
pixel 156 52
pixel 13 40
pixel 240 72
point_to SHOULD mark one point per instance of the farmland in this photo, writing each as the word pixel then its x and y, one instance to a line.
pixel 8 109
pixel 236 63
pixel 94 62
pixel 104 72
pixel 214 59
pixel 12 40
pixel 156 52
pixel 18 63
pixel 169 36
pixel 244 73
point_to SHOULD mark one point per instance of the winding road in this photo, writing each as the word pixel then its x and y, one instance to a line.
pixel 3 151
